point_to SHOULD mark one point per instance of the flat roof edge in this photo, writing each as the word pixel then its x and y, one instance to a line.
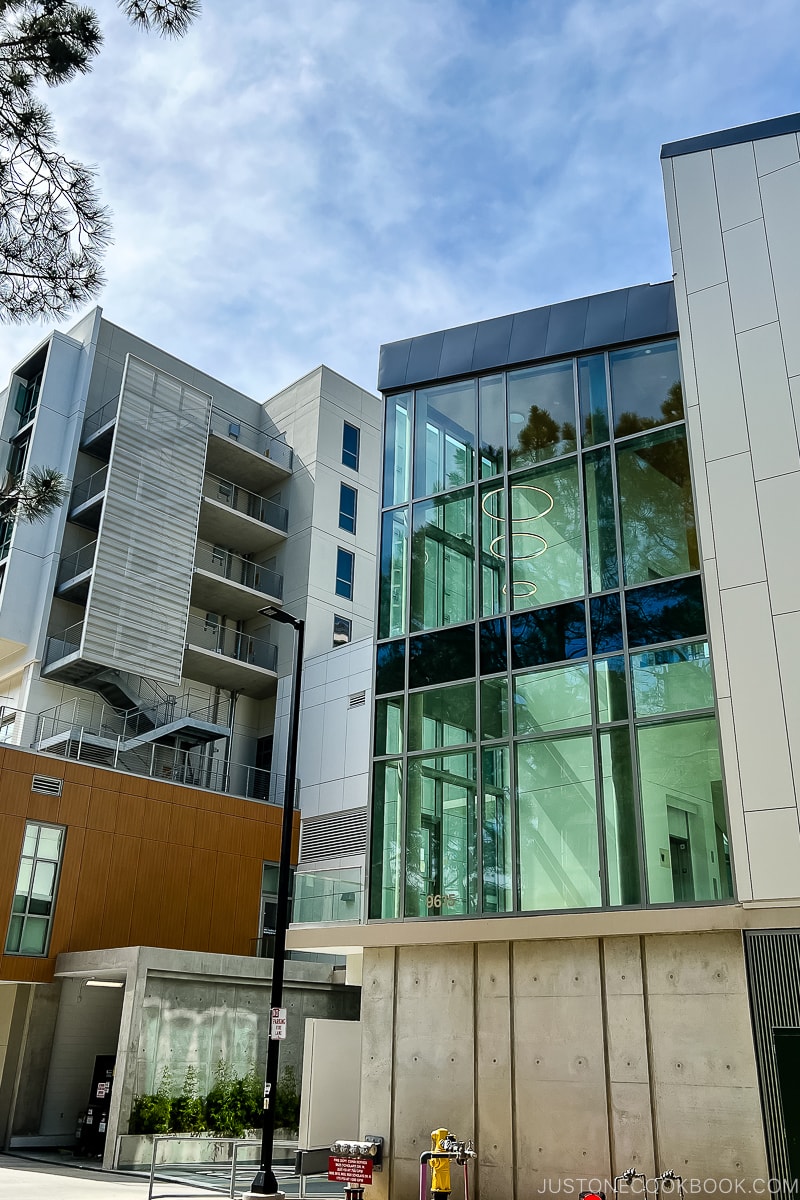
pixel 733 137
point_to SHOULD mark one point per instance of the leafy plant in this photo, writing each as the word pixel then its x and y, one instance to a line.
pixel 188 1110
pixel 151 1113
pixel 287 1100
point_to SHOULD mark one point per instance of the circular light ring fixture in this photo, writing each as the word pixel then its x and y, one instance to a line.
pixel 518 583
pixel 528 487
pixel 501 537
pixel 487 496
pixel 524 557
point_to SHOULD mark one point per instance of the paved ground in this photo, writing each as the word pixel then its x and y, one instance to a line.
pixel 26 1179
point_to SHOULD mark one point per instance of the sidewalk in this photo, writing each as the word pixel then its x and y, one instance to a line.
pixel 22 1179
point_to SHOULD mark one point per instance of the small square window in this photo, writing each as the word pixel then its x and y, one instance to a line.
pixel 345 568
pixel 342 630
pixel 348 499
pixel 351 445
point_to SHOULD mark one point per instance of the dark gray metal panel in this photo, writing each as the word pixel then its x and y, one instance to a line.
pixel 588 323
pixel 423 361
pixel 457 350
pixel 648 310
pixel 491 343
pixel 567 328
pixel 529 335
pixel 393 364
pixel 605 320
pixel 733 137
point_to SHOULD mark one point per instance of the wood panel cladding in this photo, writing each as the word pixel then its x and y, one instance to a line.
pixel 146 863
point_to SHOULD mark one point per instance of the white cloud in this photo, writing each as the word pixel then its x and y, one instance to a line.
pixel 297 183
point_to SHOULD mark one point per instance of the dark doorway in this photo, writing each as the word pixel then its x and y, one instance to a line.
pixel 787 1058
pixel 680 855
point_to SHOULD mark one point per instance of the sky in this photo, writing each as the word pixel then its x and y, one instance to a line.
pixel 297 182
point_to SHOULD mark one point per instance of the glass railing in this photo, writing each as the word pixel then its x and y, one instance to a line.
pixel 244 647
pixel 76 563
pixel 247 503
pixel 326 896
pixel 227 565
pixel 94 485
pixel 62 644
pixel 224 425
pixel 99 418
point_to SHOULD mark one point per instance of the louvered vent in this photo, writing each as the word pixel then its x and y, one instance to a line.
pixel 334 835
pixel 357 699
pixel 47 785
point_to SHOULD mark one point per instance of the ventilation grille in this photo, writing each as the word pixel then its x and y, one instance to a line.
pixel 773 968
pixel 46 785
pixel 357 699
pixel 334 835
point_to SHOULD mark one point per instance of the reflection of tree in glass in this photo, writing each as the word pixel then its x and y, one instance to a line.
pixel 671 410
pixel 541 435
pixel 657 509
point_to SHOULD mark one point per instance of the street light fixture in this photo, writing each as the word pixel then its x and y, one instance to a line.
pixel 265 1183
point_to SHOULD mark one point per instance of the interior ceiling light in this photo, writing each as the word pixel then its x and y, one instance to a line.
pixel 112 983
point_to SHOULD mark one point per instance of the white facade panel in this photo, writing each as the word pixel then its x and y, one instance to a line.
pixel 702 499
pixel 773 841
pixel 733 789
pixel 700 233
pixel 713 350
pixel 768 402
pixel 672 205
pixel 737 185
pixel 780 197
pixel 734 511
pixel 764 765
pixel 716 630
pixel 787 638
pixel 779 506
pixel 750 276
pixel 776 152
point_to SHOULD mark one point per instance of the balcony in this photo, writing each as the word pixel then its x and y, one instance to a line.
pixel 239 451
pixel 75 573
pixel 62 650
pixel 225 582
pixel 233 516
pixel 98 429
pixel 229 658
pixel 86 502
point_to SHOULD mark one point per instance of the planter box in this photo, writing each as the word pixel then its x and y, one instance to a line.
pixel 135 1150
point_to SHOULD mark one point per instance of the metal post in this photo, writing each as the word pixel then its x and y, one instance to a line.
pixel 265 1183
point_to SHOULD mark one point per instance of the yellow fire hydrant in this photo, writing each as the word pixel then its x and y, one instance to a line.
pixel 440 1167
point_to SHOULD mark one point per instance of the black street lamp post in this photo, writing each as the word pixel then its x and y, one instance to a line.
pixel 265 1183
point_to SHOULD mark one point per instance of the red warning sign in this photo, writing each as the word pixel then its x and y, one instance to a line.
pixel 349 1170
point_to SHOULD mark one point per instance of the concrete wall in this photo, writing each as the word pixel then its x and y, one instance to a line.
pixel 732 215
pixel 565 1060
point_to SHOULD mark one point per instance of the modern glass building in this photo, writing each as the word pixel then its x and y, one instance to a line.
pixel 545 735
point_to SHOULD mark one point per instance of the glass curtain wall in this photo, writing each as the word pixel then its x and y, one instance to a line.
pixel 545 735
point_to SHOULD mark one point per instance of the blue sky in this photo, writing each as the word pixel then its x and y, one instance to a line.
pixel 297 182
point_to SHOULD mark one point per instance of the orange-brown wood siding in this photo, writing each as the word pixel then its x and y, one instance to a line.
pixel 146 863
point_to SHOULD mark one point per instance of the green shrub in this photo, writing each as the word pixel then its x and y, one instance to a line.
pixel 188 1110
pixel 287 1101
pixel 151 1113
pixel 223 1104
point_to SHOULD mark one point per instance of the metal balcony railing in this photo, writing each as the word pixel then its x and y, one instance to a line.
pixel 76 563
pixel 236 430
pixel 248 503
pixel 62 644
pixel 99 418
pixel 222 562
pixel 210 635
pixel 89 487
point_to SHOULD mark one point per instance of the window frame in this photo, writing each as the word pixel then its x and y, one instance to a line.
pixel 342 581
pixel 348 522
pixel 351 458
pixel 34 859
pixel 345 621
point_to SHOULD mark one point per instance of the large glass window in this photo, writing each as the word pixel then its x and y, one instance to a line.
pixel 619 810
pixel 546 536
pixel 495 716
pixel 645 387
pixel 685 832
pixel 593 396
pixel 601 525
pixel 442 717
pixel 496 831
pixel 390 667
pixel 492 517
pixel 441 836
pixel 675 679
pixel 443 561
pixel 387 825
pixel 559 861
pixel 444 443
pixel 665 612
pixel 554 699
pixel 549 635
pixel 397 451
pixel 541 413
pixel 492 413
pixel 394 574
pixel 656 507
pixel 441 657
pixel 35 891
pixel 389 725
